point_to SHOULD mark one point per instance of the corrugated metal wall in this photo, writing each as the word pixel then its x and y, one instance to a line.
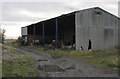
pixel 98 26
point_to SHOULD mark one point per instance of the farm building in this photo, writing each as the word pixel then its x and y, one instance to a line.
pixel 87 29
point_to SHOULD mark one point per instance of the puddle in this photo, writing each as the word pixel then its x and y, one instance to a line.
pixel 56 56
pixel 50 68
pixel 53 68
pixel 42 60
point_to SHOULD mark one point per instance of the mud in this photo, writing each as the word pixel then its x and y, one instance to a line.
pixel 54 56
pixel 71 67
pixel 42 60
pixel 50 68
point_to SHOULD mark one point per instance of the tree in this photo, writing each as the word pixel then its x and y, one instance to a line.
pixel 2 35
pixel 20 41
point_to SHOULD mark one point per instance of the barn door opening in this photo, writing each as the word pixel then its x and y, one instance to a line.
pixel 90 45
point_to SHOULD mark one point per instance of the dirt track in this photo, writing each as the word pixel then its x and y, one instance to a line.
pixel 50 65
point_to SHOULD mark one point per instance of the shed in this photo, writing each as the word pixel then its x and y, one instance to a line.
pixel 92 28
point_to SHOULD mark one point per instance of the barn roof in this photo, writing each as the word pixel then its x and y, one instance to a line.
pixel 72 13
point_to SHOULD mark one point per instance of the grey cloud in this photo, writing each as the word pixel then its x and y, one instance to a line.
pixel 11 10
pixel 13 17
pixel 34 6
pixel 19 18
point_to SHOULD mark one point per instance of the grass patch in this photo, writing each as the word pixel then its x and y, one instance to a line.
pixel 12 43
pixel 108 62
pixel 75 53
pixel 70 53
pixel 15 51
pixel 18 68
pixel 11 50
pixel 19 65
pixel 99 57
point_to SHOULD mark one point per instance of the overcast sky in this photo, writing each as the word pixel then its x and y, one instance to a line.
pixel 18 14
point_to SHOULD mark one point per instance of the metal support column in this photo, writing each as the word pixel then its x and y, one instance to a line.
pixel 43 33
pixel 56 32
pixel 34 33
pixel 27 37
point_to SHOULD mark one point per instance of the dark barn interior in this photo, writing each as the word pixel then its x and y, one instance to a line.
pixel 66 29
pixel 60 30
pixel 30 34
pixel 50 30
pixel 35 34
pixel 39 33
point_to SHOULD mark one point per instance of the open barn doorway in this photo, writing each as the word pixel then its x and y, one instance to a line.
pixel 66 31
pixel 90 45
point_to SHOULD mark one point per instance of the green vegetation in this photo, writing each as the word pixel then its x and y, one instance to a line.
pixel 75 53
pixel 18 68
pixel 14 43
pixel 17 64
pixel 11 50
pixel 11 43
pixel 104 58
pixel 108 62
pixel 2 35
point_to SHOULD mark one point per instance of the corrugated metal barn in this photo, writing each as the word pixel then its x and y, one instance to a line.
pixel 87 29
